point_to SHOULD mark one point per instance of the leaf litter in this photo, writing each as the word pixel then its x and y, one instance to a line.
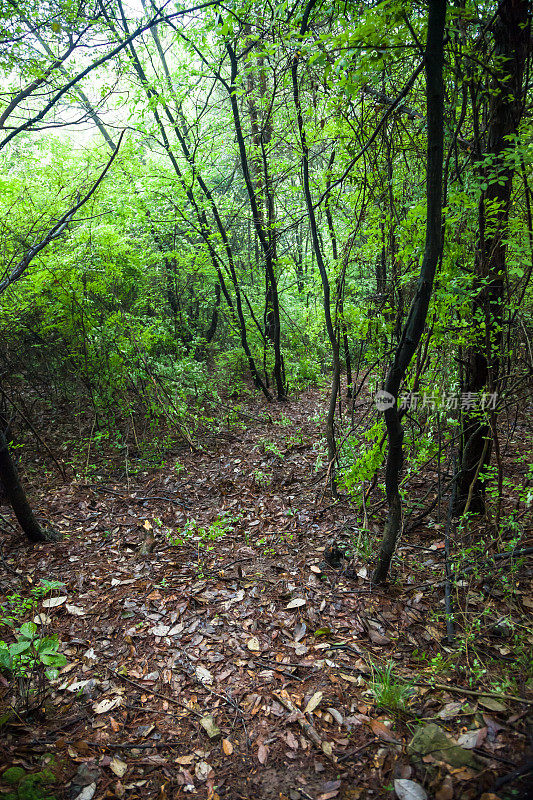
pixel 241 666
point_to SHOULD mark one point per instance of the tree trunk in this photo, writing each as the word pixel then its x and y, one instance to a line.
pixel 16 496
pixel 317 250
pixel 265 237
pixel 511 36
pixel 414 326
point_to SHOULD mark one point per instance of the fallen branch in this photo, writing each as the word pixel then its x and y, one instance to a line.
pixel 146 690
pixel 306 726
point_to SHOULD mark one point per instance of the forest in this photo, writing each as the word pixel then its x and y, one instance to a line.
pixel 266 394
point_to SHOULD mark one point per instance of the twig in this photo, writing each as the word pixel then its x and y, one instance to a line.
pixel 145 689
pixel 449 577
pixel 474 693
pixel 305 726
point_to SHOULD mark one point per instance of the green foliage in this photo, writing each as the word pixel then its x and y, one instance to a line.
pixel 32 656
pixel 270 448
pixel 30 652
pixel 359 460
pixel 201 536
pixel 389 692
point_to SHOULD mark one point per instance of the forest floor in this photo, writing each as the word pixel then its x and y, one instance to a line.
pixel 214 653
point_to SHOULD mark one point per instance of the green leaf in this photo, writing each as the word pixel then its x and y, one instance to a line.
pixel 19 647
pixel 5 658
pixel 52 659
pixel 28 630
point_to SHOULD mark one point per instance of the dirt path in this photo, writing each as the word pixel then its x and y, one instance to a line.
pixel 200 623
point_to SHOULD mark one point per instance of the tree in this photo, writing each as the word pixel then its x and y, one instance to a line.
pixel 495 154
pixel 414 326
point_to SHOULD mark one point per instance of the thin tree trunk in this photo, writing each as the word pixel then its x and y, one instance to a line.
pixel 262 234
pixel 16 496
pixel 512 44
pixel 414 326
pixel 332 335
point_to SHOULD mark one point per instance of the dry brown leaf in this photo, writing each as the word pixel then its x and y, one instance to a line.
pixel 314 702
pixel 227 747
pixel 262 753
pixel 446 789
pixel 118 766
pixel 383 732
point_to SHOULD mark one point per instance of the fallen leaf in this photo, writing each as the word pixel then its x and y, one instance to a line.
pixel 227 747
pixel 351 678
pixel 383 732
pixel 185 760
pixel 409 790
pixel 253 644
pixel 296 603
pixel 492 704
pixel 77 685
pixel 208 724
pixel 330 790
pixel 300 631
pixel 292 741
pixel 53 602
pixel 378 638
pixel 337 716
pixel 87 793
pixel 262 753
pixel 471 739
pixel 202 770
pixel 450 710
pixel 106 705
pixel 76 611
pixel 118 767
pixel 327 749
pixel 160 630
pixel 204 676
pixel 313 702
pixel 42 619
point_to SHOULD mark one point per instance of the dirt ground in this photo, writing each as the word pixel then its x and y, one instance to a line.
pixel 213 651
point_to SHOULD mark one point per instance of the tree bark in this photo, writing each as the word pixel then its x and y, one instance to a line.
pixel 317 249
pixel 481 373
pixel 16 496
pixel 265 237
pixel 414 326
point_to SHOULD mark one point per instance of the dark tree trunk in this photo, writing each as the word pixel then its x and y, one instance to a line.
pixel 414 326
pixel 214 316
pixel 266 237
pixel 481 371
pixel 317 250
pixel 16 496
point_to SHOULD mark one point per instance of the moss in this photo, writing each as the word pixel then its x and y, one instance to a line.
pixel 46 776
pixel 29 786
pixel 28 790
pixel 13 775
